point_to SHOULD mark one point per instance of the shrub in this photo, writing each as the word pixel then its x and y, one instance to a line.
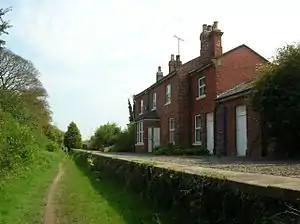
pixel 126 139
pixel 180 151
pixel 54 134
pixel 19 143
pixel 106 135
pixel 52 147
pixel 276 98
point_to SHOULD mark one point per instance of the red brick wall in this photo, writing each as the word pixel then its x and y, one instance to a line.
pixel 146 125
pixel 164 111
pixel 236 67
pixel 253 128
pixel 205 105
pixel 183 133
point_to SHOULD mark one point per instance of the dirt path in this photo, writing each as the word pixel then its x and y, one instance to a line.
pixel 49 211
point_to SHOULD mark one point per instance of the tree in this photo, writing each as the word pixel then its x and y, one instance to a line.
pixel 54 134
pixel 131 116
pixel 276 97
pixel 133 110
pixel 4 25
pixel 126 140
pixel 72 137
pixel 17 74
pixel 106 135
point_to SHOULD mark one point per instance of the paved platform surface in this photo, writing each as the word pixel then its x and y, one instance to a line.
pixel 194 165
pixel 237 164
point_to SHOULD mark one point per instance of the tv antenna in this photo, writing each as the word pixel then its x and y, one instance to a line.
pixel 178 42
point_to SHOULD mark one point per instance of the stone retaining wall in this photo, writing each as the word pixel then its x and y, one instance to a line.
pixel 194 198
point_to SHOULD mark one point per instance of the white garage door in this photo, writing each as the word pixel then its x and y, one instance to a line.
pixel 210 132
pixel 241 130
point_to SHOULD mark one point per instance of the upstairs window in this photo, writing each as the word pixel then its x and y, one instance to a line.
pixel 141 106
pixel 168 94
pixel 153 101
pixel 201 88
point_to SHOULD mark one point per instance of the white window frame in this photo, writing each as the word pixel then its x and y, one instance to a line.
pixel 140 133
pixel 141 106
pixel 198 128
pixel 168 94
pixel 154 101
pixel 172 130
pixel 201 87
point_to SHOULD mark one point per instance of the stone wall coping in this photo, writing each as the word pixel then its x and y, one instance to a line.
pixel 286 188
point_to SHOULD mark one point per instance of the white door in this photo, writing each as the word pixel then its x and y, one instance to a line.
pixel 210 132
pixel 150 139
pixel 241 130
pixel 156 137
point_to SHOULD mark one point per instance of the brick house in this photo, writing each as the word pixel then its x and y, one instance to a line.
pixel 179 108
pixel 239 130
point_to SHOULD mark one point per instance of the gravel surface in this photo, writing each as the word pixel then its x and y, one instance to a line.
pixel 278 168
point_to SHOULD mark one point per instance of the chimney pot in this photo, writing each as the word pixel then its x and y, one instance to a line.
pixel 172 57
pixel 159 74
pixel 177 57
pixel 215 25
pixel 209 28
pixel 204 27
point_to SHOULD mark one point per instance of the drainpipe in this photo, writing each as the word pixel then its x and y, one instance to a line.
pixel 217 104
pixel 224 120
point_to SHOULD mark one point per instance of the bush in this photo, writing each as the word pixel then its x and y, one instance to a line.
pixel 52 147
pixel 54 134
pixel 106 135
pixel 126 139
pixel 110 138
pixel 178 151
pixel 19 144
pixel 276 98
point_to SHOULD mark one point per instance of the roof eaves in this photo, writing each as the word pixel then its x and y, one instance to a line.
pixel 200 68
pixel 241 88
pixel 156 84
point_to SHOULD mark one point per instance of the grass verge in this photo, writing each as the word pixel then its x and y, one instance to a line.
pixel 22 197
pixel 83 197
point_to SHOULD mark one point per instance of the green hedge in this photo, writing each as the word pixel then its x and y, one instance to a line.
pixel 192 198
pixel 174 151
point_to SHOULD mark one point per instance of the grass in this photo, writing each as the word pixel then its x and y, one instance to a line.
pixel 84 198
pixel 22 197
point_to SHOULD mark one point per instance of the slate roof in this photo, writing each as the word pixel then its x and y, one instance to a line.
pixel 241 88
pixel 147 115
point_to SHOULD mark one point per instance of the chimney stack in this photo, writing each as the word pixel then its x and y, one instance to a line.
pixel 172 64
pixel 159 74
pixel 178 62
pixel 211 40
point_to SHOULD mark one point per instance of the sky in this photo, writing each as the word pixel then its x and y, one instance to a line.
pixel 94 54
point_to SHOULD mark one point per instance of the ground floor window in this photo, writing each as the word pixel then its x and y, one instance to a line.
pixel 172 130
pixel 198 129
pixel 139 133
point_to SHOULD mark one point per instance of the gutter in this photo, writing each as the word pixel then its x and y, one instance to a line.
pixel 233 96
